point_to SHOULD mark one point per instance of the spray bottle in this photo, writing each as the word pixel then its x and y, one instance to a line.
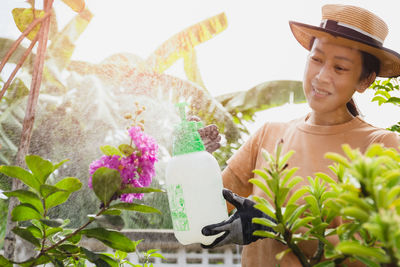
pixel 194 185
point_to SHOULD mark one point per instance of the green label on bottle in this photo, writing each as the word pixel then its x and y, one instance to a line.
pixel 177 208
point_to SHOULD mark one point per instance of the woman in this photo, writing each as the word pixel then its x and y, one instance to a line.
pixel 346 55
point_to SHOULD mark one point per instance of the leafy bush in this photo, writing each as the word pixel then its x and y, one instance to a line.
pixel 365 194
pixel 53 241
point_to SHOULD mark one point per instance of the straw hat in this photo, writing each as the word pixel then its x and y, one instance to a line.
pixel 354 27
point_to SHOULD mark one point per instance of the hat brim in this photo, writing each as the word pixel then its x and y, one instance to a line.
pixel 390 60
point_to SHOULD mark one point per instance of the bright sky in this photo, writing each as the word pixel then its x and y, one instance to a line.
pixel 256 47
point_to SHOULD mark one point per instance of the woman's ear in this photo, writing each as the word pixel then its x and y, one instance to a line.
pixel 365 83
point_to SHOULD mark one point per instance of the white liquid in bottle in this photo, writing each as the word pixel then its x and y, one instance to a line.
pixel 194 186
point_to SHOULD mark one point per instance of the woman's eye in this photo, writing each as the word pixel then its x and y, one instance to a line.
pixel 316 59
pixel 340 68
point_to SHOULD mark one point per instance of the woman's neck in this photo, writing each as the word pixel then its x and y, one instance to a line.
pixel 327 119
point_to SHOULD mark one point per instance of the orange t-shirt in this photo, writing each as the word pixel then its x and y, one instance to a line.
pixel 310 143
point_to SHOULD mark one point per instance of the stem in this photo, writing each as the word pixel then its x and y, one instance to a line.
pixel 71 234
pixel 295 249
pixel 319 253
pixel 20 62
pixel 287 235
pixel 9 242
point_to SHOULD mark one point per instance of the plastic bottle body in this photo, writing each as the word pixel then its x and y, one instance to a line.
pixel 194 186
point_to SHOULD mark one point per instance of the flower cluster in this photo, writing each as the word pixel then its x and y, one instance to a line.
pixel 137 169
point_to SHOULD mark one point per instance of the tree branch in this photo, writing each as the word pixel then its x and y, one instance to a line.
pixel 20 63
pixel 9 243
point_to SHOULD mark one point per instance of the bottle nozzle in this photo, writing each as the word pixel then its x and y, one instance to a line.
pixel 182 110
pixel 187 138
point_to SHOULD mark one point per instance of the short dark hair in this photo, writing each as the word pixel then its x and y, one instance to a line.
pixel 370 64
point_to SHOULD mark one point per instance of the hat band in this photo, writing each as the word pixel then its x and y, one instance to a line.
pixel 352 32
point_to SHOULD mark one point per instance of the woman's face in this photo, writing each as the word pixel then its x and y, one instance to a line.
pixel 331 77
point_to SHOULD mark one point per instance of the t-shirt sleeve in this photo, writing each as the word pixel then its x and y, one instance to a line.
pixel 242 163
pixel 390 139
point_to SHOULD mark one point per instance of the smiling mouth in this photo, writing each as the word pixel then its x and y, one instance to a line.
pixel 320 92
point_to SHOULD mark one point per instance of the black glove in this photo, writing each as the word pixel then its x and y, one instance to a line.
pixel 209 134
pixel 238 228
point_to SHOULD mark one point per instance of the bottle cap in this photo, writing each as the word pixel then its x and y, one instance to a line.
pixel 187 139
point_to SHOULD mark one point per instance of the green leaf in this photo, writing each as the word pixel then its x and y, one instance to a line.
pixel 327 195
pixel 294 181
pixel 393 193
pixel 288 175
pixel 75 5
pixel 379 99
pixel 337 158
pixel 157 255
pixel 43 259
pixel 26 196
pixel 131 189
pixel 374 150
pixel 127 150
pixel 262 174
pixel 135 207
pixel 288 212
pixel 106 183
pixel 121 254
pixel 4 262
pixel 298 194
pixel 36 232
pixel 282 254
pixel 325 177
pixel 353 248
pixel 69 184
pixel 300 223
pixel 394 100
pixel 39 167
pixel 355 200
pixel 75 239
pixel 285 159
pixel 265 234
pixel 263 221
pixel 112 239
pixel 312 201
pixel 350 153
pixel 58 165
pixel 25 212
pixel 47 190
pixel 368 262
pixel 355 213
pixel 111 151
pixel 21 174
pixel 112 212
pixel 27 235
pixel 282 196
pixel 262 186
pixel 69 248
pixel 110 261
pixel 110 222
pixel 57 199
pixel 52 222
pixel 51 231
pixel 266 209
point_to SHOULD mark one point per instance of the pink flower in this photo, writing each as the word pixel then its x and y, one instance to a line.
pixel 137 169
pixel 111 162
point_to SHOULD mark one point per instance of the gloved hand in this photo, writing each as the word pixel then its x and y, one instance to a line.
pixel 209 134
pixel 238 228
